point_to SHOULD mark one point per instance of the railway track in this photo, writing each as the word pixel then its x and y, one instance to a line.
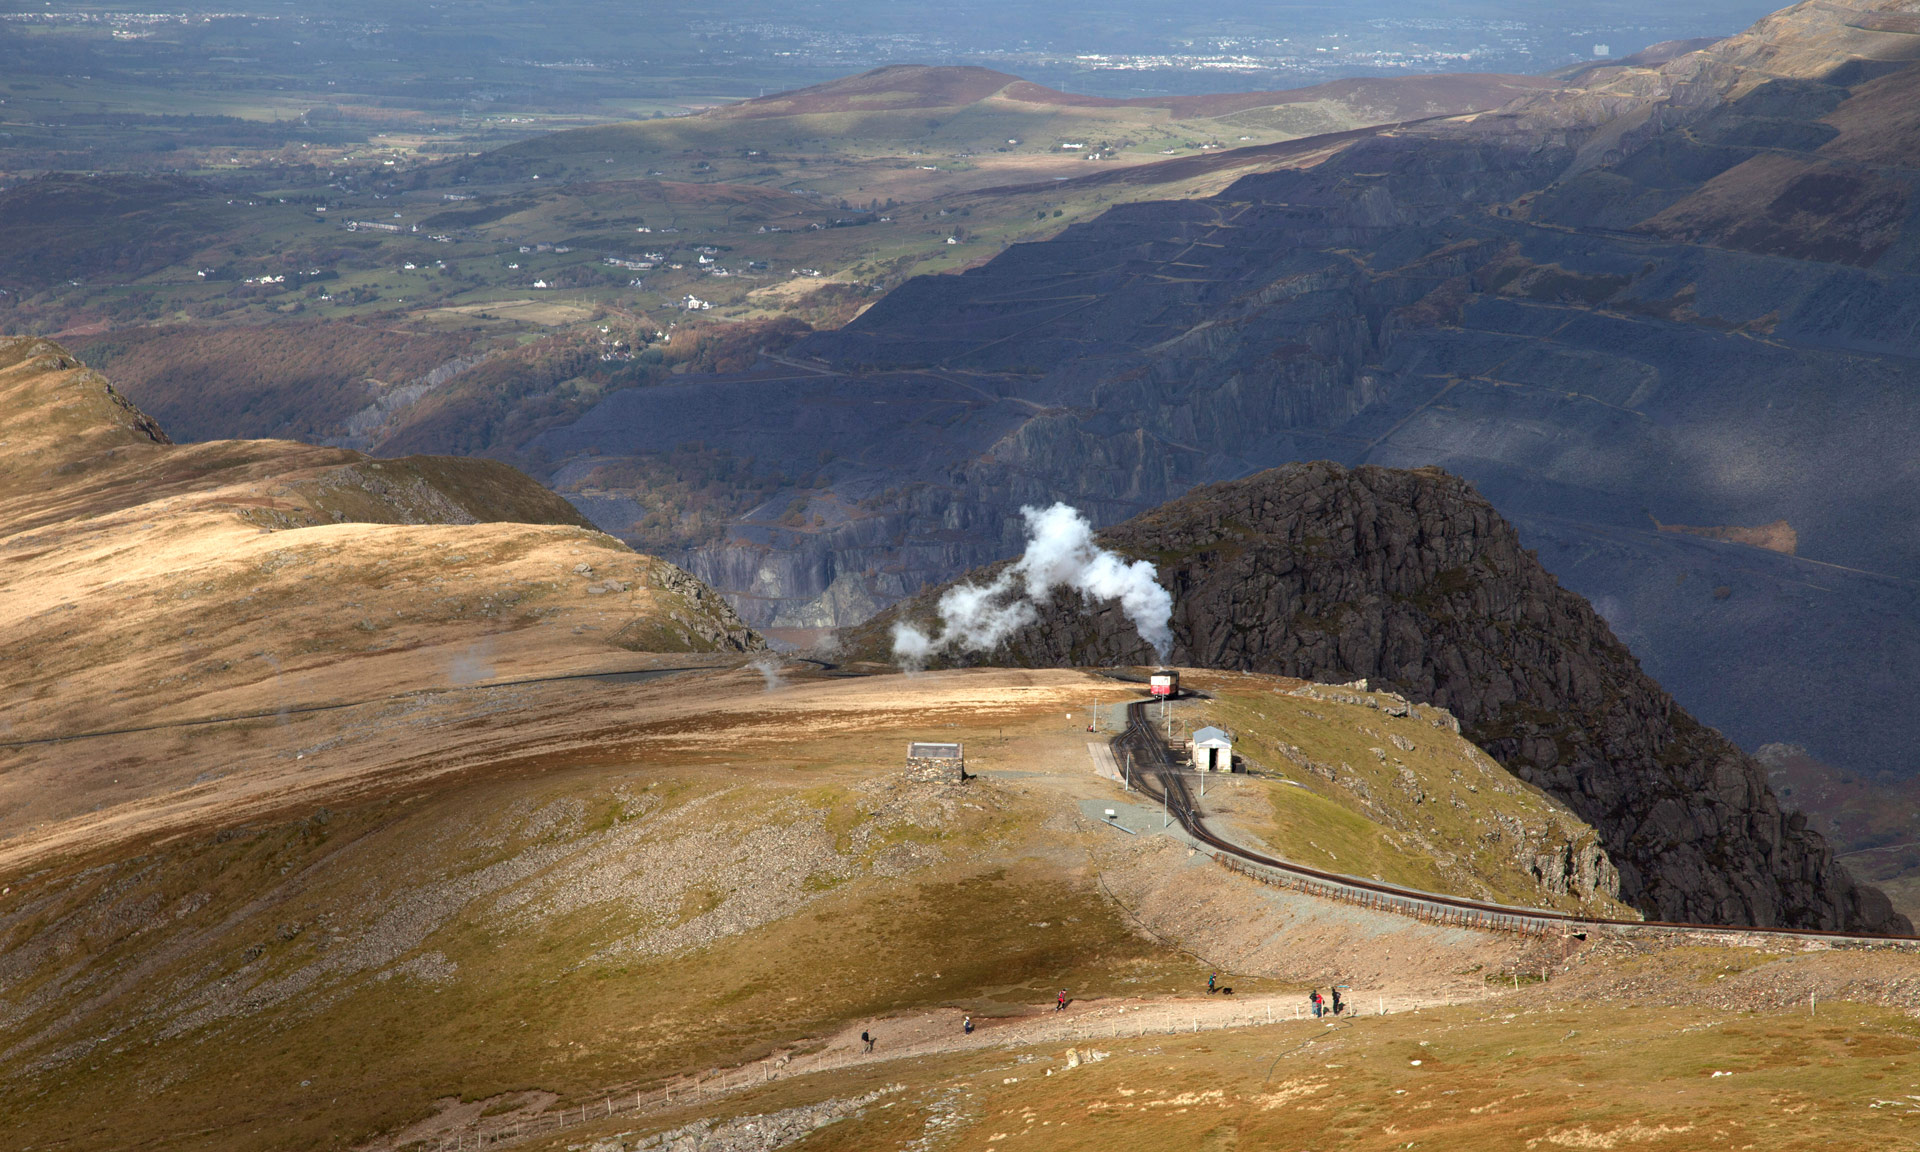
pixel 1156 773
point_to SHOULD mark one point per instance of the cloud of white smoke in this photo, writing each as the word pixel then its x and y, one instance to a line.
pixel 768 666
pixel 1060 554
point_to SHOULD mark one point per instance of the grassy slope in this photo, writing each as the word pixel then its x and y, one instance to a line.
pixel 1473 831
pixel 1537 1075
pixel 541 894
pixel 695 894
pixel 149 581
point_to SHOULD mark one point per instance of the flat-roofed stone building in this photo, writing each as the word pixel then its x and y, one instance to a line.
pixel 929 763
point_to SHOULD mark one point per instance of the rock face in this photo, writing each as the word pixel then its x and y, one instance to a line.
pixel 1411 580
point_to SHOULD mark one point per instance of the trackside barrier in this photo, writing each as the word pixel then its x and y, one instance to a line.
pixel 1422 910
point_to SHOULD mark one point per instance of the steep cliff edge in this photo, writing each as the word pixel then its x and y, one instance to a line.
pixel 1411 580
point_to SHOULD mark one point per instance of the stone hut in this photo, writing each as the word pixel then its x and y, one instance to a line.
pixel 936 763
pixel 1212 751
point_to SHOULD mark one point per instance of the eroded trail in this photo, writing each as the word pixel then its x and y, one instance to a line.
pixel 1084 1027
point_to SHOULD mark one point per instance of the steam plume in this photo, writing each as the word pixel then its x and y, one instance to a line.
pixel 1060 554
pixel 769 667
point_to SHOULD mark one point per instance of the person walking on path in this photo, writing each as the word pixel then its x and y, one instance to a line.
pixel 966 1026
pixel 1313 998
pixel 1211 977
pixel 1337 1005
pixel 868 1039
pixel 1060 1002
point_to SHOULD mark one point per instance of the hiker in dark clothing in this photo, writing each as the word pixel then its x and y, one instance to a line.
pixel 967 1025
pixel 1337 1005
pixel 1313 998
pixel 869 1040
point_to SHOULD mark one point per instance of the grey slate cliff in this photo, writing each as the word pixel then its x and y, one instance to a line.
pixel 1412 580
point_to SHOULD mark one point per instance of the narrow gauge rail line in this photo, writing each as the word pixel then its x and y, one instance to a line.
pixel 1155 772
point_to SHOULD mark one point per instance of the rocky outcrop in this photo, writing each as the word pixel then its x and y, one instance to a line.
pixel 763 1132
pixel 1411 580
pixel 692 617
pixel 419 490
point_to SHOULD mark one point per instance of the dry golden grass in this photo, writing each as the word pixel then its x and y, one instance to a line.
pixel 1527 1072
pixel 917 913
pixel 150 583
pixel 1544 1077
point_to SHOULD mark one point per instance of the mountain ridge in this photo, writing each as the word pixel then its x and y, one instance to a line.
pixel 908 86
pixel 152 584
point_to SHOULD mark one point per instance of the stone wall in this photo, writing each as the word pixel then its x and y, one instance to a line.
pixel 936 770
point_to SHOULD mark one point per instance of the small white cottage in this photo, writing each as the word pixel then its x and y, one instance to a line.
pixel 1212 751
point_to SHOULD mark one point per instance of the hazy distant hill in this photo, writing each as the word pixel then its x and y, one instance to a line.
pixel 1378 99
pixel 988 111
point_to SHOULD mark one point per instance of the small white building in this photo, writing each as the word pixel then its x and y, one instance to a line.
pixel 1212 751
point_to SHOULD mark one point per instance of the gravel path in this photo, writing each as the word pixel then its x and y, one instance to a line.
pixel 936 1032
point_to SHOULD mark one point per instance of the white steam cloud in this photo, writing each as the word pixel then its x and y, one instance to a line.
pixel 1060 554
pixel 768 666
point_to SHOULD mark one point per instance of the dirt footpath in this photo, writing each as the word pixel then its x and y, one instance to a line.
pixel 1088 1024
